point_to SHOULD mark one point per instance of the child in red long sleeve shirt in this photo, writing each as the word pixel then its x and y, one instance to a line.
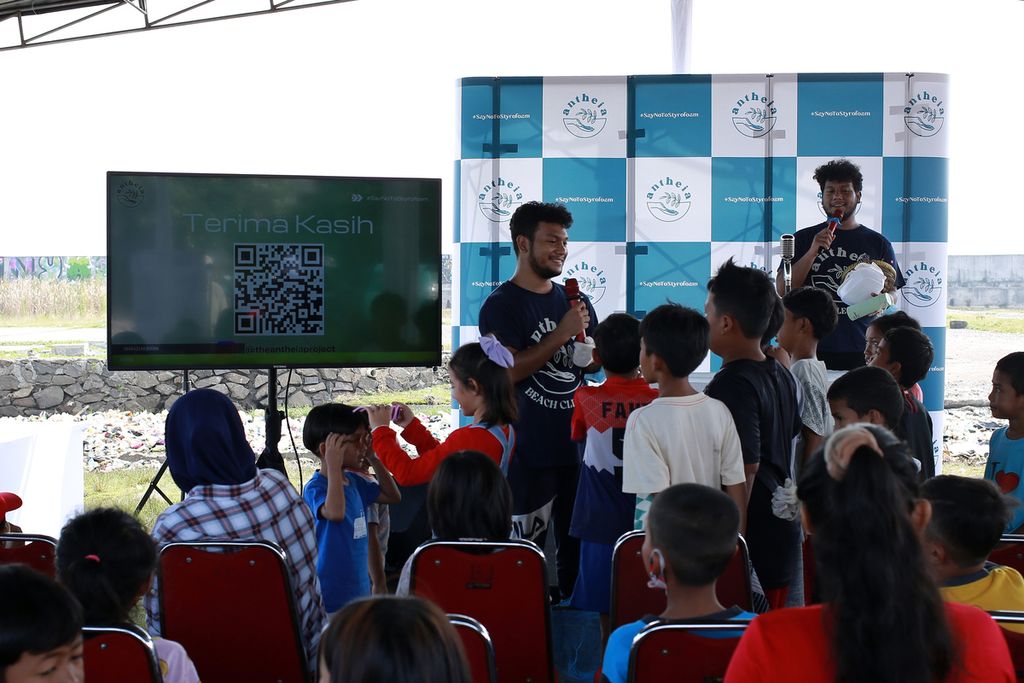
pixel 483 389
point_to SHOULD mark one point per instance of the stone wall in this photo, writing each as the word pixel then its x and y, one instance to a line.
pixel 33 386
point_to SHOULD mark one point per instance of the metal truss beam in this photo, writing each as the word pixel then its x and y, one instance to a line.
pixel 146 15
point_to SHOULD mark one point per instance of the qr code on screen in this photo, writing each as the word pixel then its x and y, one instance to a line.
pixel 279 289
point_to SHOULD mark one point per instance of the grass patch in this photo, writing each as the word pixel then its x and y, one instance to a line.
pixel 1007 321
pixel 124 489
pixel 962 467
pixel 90 321
pixel 433 400
pixel 62 303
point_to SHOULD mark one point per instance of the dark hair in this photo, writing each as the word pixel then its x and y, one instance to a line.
pixel 816 306
pixel 617 339
pixel 331 418
pixel 469 498
pixel 778 317
pixel 695 527
pixel 525 219
pixel 839 171
pixel 679 336
pixel 36 615
pixel 394 639
pixel 469 362
pixel 1012 365
pixel 105 558
pixel 884 323
pixel 913 350
pixel 746 294
pixel 968 516
pixel 867 388
pixel 888 621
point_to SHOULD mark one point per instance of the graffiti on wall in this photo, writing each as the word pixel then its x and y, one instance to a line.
pixel 52 267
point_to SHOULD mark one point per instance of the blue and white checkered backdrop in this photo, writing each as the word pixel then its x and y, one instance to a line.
pixel 669 176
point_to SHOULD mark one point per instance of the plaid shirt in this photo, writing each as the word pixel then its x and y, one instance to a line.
pixel 266 507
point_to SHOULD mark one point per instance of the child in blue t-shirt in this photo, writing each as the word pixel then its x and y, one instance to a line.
pixel 691 535
pixel 1005 464
pixel 339 435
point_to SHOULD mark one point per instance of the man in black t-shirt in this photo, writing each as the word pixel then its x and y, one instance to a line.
pixel 531 316
pixel 825 251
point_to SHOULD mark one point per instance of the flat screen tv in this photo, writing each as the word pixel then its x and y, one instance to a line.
pixel 248 271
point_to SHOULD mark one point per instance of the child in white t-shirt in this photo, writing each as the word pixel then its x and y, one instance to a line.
pixel 683 436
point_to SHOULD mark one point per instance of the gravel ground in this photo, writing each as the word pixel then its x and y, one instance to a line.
pixel 116 440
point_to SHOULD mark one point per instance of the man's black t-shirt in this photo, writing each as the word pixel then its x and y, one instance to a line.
pixel 826 272
pixel 520 319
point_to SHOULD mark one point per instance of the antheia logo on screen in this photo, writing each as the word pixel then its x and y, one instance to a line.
pixel 754 114
pixel 130 194
pixel 924 114
pixel 591 279
pixel 584 115
pixel 499 199
pixel 668 199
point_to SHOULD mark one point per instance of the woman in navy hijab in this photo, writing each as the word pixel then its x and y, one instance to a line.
pixel 229 499
pixel 206 441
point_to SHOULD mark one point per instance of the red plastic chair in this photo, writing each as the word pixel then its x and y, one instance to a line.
pixel 1014 640
pixel 682 653
pixel 118 654
pixel 631 599
pixel 502 585
pixel 476 641
pixel 38 552
pixel 1009 552
pixel 230 605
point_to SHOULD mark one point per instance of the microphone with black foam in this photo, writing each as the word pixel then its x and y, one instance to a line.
pixel 787 249
pixel 583 348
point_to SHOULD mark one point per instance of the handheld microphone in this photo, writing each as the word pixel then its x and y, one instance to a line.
pixel 787 249
pixel 572 295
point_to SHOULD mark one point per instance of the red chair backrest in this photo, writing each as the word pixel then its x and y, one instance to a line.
pixel 118 654
pixel 501 585
pixel 632 599
pixel 38 552
pixel 476 642
pixel 682 653
pixel 1014 639
pixel 1009 552
pixel 230 605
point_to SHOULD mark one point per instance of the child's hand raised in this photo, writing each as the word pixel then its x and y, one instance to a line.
pixel 380 416
pixel 334 457
pixel 401 414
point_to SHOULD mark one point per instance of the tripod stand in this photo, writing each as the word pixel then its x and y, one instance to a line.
pixel 270 458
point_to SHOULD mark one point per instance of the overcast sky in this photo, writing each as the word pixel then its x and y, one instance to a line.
pixel 369 88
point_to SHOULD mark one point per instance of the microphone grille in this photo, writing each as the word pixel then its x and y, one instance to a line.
pixel 787 247
pixel 572 288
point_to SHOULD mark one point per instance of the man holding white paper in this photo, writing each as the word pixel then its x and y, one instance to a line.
pixel 825 252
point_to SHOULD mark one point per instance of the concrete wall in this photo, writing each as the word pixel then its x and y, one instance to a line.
pixel 30 386
pixel 989 281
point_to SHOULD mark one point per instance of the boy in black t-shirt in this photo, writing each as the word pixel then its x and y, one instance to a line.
pixel 907 353
pixel 761 395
